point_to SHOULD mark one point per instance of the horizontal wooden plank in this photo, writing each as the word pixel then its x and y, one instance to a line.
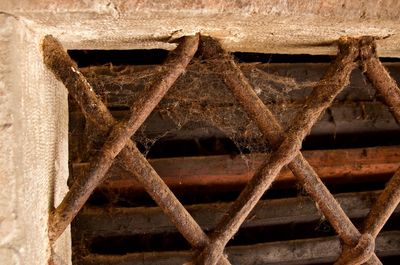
pixel 341 118
pixel 104 222
pixel 361 164
pixel 295 252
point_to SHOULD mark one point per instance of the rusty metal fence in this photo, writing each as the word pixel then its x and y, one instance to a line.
pixel 357 245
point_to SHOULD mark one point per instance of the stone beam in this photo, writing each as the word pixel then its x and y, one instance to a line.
pixel 287 27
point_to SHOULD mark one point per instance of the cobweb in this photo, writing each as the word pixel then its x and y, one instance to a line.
pixel 199 105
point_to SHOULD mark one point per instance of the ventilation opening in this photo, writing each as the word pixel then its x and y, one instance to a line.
pixel 85 58
pixel 206 149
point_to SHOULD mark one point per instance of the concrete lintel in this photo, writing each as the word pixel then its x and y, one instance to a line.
pixel 292 27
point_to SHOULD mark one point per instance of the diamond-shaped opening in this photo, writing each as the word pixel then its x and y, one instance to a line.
pixel 213 150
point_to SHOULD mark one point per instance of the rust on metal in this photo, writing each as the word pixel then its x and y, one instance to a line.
pixel 390 92
pixel 60 63
pixel 335 79
pixel 387 202
pixel 357 248
pixel 132 160
pixel 379 76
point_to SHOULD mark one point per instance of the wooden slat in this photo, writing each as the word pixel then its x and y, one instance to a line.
pixel 361 164
pixel 342 118
pixel 295 252
pixel 105 222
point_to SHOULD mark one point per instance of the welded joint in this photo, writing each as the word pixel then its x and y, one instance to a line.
pixel 362 252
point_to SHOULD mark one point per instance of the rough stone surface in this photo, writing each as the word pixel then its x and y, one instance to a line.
pixel 33 148
pixel 290 26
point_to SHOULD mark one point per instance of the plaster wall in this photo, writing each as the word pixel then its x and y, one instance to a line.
pixel 33 148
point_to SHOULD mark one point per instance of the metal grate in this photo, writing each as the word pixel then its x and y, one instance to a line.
pixel 358 246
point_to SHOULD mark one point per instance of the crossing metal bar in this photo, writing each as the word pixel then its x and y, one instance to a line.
pixel 130 157
pixel 384 206
pixel 335 79
pixel 357 248
pixel 376 73
pixel 273 132
pixel 387 87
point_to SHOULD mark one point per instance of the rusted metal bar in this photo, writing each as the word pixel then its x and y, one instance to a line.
pixel 295 252
pixel 384 206
pixel 333 166
pixel 379 76
pixel 301 169
pixel 360 253
pixel 63 67
pixel 120 133
pixel 130 157
pixel 387 87
pixel 390 197
pixel 322 96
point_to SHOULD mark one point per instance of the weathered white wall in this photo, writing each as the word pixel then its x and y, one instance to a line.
pixel 33 148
